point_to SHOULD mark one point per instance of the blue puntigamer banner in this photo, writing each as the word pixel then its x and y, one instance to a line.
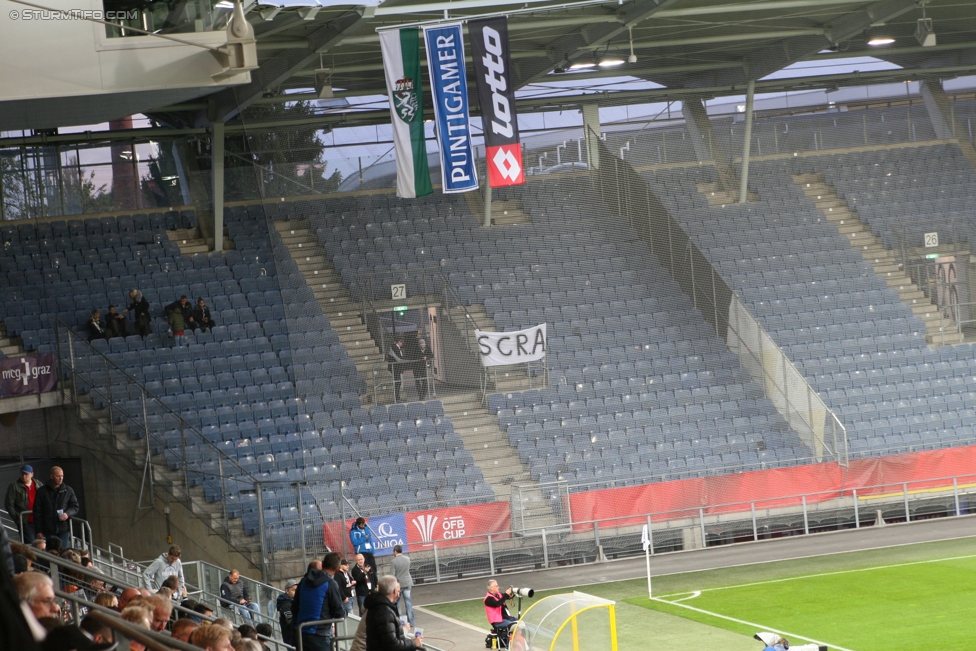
pixel 449 86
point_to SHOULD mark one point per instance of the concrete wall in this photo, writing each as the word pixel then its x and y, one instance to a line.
pixel 108 483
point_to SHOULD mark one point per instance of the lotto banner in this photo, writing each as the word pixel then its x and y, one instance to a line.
pixel 459 525
pixel 496 96
pixel 27 374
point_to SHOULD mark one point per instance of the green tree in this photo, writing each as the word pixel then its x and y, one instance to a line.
pixel 274 158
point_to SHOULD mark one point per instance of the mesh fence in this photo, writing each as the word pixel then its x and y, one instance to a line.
pixel 673 364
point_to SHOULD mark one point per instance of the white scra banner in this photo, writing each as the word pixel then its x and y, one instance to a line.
pixel 504 348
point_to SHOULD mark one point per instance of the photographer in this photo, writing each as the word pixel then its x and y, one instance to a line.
pixel 495 608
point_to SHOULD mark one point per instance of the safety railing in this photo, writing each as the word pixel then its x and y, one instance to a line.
pixel 631 198
pixel 147 417
pixel 79 531
pixel 588 541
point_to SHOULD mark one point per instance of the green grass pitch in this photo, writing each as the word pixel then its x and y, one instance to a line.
pixel 900 598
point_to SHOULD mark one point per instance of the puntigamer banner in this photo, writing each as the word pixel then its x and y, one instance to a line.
pixel 503 348
pixel 27 374
pixel 449 87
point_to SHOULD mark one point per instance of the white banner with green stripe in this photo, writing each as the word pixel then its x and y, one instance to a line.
pixel 401 63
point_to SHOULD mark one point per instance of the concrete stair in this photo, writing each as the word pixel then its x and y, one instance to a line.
pixel 498 460
pixel 9 346
pixel 190 241
pixel 114 442
pixel 717 196
pixel 506 213
pixel 884 262
pixel 344 314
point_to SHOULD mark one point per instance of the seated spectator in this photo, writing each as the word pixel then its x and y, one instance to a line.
pixel 127 595
pixel 37 591
pixel 140 307
pixel 116 324
pixel 96 327
pixel 264 631
pixel 177 325
pixel 234 595
pixel 99 632
pixel 185 309
pixel 108 600
pixel 141 616
pixel 201 316
pixel 162 610
pixel 248 631
pixel 183 629
pixel 212 638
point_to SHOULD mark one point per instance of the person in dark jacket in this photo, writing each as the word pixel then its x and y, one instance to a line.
pixel 318 599
pixel 365 577
pixel 235 596
pixel 285 618
pixel 139 306
pixel 116 324
pixel 422 368
pixel 346 585
pixel 186 311
pixel 96 327
pixel 201 316
pixel 21 496
pixel 383 629
pixel 56 503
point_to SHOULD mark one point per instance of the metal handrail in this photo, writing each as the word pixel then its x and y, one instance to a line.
pixel 319 622
pixel 378 368
pixel 86 541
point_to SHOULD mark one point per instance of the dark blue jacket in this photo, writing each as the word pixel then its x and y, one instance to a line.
pixel 317 598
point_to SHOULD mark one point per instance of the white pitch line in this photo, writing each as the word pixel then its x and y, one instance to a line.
pixel 696 593
pixel 835 573
pixel 758 627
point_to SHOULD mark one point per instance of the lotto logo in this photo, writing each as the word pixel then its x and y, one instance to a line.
pixel 506 165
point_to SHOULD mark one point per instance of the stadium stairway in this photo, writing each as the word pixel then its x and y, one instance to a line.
pixel 838 212
pixel 333 296
pixel 190 241
pixel 8 346
pixel 498 460
pixel 127 457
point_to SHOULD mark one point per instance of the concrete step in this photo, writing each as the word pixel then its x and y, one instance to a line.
pixel 883 261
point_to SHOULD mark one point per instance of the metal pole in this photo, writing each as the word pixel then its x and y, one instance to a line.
pixel 437 564
pixel 217 178
pixel 747 143
pixel 806 519
pixel 857 514
pixel 701 525
pixel 955 494
pixel 755 531
pixel 904 492
pixel 262 534
pixel 491 556
pixel 301 525
pixel 487 222
pixel 545 550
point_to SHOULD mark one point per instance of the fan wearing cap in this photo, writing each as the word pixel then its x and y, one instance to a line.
pixel 20 499
pixel 285 618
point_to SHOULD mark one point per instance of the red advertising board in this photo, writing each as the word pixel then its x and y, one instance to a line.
pixel 455 525
pixel 769 488
pixel 461 525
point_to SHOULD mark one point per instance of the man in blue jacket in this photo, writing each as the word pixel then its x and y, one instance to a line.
pixel 362 541
pixel 318 598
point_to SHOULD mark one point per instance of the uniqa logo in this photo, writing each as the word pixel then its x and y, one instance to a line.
pixel 425 526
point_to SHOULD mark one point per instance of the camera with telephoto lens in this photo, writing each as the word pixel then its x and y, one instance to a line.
pixel 528 593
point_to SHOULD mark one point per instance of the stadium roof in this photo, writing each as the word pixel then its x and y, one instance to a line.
pixel 699 47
